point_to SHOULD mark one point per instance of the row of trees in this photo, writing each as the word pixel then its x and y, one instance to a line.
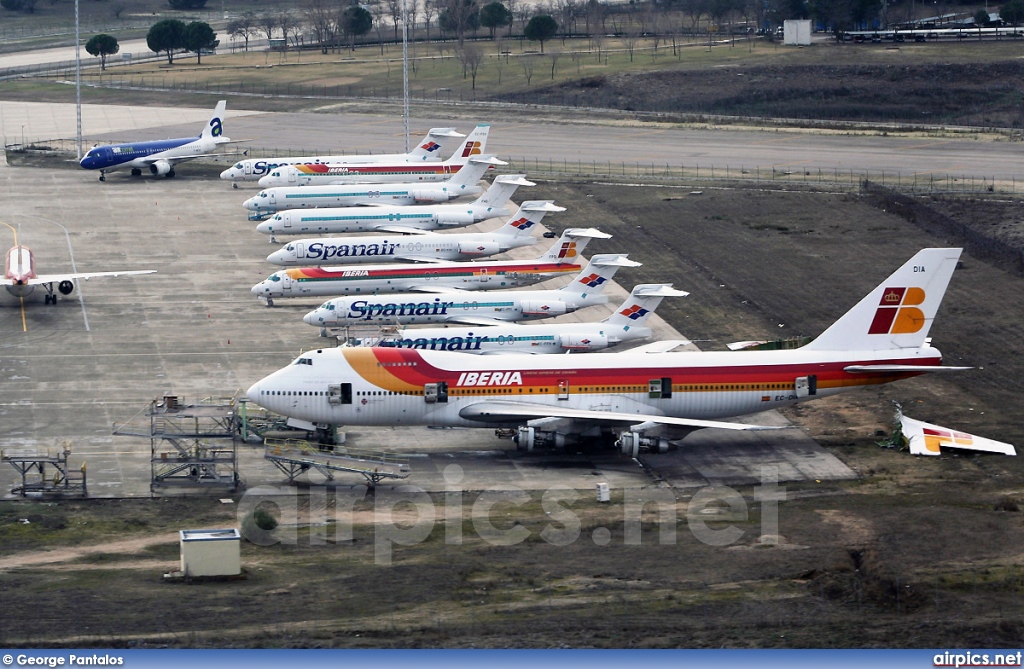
pixel 169 35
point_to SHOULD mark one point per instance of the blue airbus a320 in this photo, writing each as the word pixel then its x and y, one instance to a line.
pixel 159 156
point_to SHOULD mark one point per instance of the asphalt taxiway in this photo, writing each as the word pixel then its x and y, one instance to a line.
pixel 69 373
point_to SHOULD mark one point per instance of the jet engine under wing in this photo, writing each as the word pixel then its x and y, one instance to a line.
pixel 57 278
pixel 497 412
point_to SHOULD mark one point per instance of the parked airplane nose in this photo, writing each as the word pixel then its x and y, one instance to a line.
pixel 281 257
pixel 311 318
pixel 250 204
pixel 265 227
pixel 228 174
pixel 259 289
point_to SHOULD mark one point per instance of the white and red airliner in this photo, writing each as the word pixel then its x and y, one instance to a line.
pixel 20 276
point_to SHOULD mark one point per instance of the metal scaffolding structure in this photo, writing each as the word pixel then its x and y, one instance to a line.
pixel 295 456
pixel 191 445
pixel 63 482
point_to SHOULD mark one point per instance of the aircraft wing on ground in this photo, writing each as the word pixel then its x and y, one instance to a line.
pixel 57 278
pixel 156 158
pixel 498 412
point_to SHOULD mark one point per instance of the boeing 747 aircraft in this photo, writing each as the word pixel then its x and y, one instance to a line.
pixel 562 258
pixel 160 156
pixel 428 150
pixel 426 247
pixel 634 400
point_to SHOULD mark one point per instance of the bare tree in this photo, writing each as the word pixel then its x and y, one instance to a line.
pixel 431 9
pixel 377 9
pixel 554 55
pixel 515 9
pixel 395 12
pixel 268 24
pixel 502 59
pixel 117 9
pixel 522 13
pixel 529 63
pixel 244 27
pixel 289 25
pixel 471 56
pixel 320 17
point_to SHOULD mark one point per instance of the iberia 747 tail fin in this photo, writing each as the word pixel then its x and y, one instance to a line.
pixel 898 313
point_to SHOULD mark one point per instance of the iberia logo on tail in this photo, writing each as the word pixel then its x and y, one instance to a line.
pixel 934 438
pixel 568 250
pixel 471 149
pixel 898 312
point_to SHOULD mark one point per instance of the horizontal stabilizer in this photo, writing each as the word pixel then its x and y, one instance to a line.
pixel 503 412
pixel 514 180
pixel 542 205
pixel 614 260
pixel 588 233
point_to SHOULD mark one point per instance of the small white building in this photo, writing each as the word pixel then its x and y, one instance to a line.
pixel 796 32
pixel 211 552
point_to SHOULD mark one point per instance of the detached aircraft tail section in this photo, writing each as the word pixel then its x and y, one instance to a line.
pixel 898 313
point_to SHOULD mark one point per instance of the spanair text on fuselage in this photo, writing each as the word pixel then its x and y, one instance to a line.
pixel 389 386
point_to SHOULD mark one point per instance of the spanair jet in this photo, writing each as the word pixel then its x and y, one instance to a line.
pixel 635 400
pixel 428 150
pixel 627 323
pixel 463 182
pixel 489 308
pixel 398 220
pixel 390 172
pixel 158 157
pixel 417 248
pixel 562 258
pixel 20 277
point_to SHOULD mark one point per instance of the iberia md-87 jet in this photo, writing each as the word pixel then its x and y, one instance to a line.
pixel 463 182
pixel 627 323
pixel 562 258
pixel 332 174
pixel 635 400
pixel 20 276
pixel 159 156
pixel 398 219
pixel 426 247
pixel 428 150
pixel 487 308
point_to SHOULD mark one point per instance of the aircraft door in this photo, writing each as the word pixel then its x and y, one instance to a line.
pixel 286 284
pixel 806 385
pixel 300 250
pixel 563 389
pixel 435 393
pixel 291 177
pixel 272 196
pixel 339 393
